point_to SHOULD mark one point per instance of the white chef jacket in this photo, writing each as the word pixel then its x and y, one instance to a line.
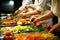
pixel 40 5
pixel 56 8
pixel 24 3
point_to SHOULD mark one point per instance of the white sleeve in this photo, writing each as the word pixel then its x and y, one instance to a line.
pixel 26 2
pixel 41 5
pixel 56 7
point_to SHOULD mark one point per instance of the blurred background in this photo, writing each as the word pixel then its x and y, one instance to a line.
pixel 8 7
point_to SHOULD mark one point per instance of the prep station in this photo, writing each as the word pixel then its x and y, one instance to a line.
pixel 13 27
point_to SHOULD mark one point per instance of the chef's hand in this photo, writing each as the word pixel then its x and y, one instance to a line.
pixel 17 12
pixel 25 10
pixel 55 28
pixel 34 18
pixel 22 14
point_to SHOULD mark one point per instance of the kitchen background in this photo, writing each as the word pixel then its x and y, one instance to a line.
pixel 9 6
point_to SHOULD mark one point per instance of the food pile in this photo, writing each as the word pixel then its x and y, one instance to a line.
pixel 30 36
pixel 9 22
pixel 23 30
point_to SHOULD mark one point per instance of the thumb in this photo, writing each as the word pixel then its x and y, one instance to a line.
pixel 52 29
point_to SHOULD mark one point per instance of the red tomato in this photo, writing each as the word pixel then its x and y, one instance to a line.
pixel 15 22
pixel 23 21
pixel 8 38
pixel 9 33
pixel 38 24
pixel 48 26
pixel 9 21
pixel 6 23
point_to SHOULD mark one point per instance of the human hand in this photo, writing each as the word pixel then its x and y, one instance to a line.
pixel 33 18
pixel 26 10
pixel 16 12
pixel 22 14
pixel 47 26
pixel 55 28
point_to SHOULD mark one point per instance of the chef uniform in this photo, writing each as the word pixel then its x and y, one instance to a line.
pixel 41 6
pixel 56 8
pixel 25 3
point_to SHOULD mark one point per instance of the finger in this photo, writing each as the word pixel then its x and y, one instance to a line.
pixel 52 29
pixel 16 12
pixel 31 18
pixel 35 20
pixel 21 14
